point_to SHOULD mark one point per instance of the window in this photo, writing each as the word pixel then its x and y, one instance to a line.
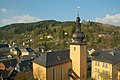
pixel 83 48
pixel 98 76
pixel 106 65
pixel 103 71
pixel 62 73
pixel 97 63
pixel 107 72
pixel 103 65
pixel 96 69
pixel 54 74
pixel 74 48
pixel 38 73
pixel 95 76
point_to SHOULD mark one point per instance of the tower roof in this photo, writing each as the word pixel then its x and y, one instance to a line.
pixel 78 35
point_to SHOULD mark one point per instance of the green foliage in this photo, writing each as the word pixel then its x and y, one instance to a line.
pixel 61 34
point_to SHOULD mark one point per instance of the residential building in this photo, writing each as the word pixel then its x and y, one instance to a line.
pixel 8 64
pixel 22 52
pixel 119 75
pixel 16 51
pixel 4 48
pixel 64 65
pixel 27 51
pixel 25 65
pixel 105 64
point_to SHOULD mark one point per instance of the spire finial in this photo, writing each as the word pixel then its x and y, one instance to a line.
pixel 78 11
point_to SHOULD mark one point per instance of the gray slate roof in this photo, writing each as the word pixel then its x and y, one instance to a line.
pixel 53 58
pixel 110 56
pixel 4 46
pixel 11 62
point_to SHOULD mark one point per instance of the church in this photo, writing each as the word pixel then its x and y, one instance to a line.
pixel 68 64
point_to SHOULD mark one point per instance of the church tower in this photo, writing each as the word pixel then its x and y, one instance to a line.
pixel 78 52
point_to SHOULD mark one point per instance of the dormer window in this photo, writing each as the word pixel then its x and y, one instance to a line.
pixel 58 57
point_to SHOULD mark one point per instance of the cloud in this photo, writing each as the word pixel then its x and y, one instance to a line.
pixel 110 19
pixel 4 10
pixel 19 19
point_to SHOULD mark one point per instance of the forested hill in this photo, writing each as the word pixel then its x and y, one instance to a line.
pixel 58 35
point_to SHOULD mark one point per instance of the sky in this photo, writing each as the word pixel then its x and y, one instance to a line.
pixel 26 11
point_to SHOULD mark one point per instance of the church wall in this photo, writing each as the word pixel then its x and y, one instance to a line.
pixel 39 72
pixel 57 68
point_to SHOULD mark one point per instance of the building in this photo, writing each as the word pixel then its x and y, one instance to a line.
pixel 105 64
pixel 27 51
pixel 22 52
pixel 8 64
pixel 25 65
pixel 4 48
pixel 52 63
pixel 119 75
pixel 66 64
pixel 16 51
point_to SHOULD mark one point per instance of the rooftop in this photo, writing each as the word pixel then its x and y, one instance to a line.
pixel 53 58
pixel 4 45
pixel 110 56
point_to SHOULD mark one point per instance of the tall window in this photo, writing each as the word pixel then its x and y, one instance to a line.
pixel 103 72
pixel 38 73
pixel 62 73
pixel 97 63
pixel 103 64
pixel 54 74
pixel 74 48
pixel 83 48
pixel 106 65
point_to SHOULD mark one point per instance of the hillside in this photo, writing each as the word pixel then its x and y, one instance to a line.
pixel 58 35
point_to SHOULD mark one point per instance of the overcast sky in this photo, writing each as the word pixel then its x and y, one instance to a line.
pixel 25 11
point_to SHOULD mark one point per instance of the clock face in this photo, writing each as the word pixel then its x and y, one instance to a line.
pixel 74 35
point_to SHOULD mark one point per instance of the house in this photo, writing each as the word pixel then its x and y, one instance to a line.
pixel 119 75
pixel 103 34
pixel 4 74
pixel 27 51
pixel 26 65
pixel 4 48
pixel 8 64
pixel 16 51
pixel 90 51
pixel 5 55
pixel 65 64
pixel 105 64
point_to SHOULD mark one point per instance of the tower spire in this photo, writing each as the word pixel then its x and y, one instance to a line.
pixel 78 25
pixel 78 35
pixel 78 11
